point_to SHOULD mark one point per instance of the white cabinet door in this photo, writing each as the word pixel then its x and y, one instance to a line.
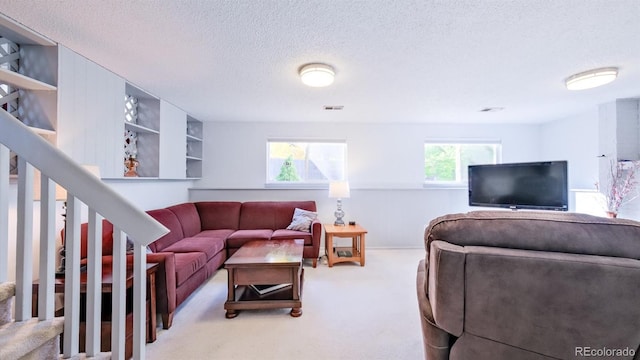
pixel 173 143
pixel 90 113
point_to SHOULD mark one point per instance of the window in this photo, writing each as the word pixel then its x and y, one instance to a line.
pixel 306 162
pixel 446 162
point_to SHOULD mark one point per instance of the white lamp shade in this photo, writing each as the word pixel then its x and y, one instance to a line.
pixel 592 78
pixel 317 75
pixel 339 189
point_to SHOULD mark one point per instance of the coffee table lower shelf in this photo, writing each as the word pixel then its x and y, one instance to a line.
pixel 246 298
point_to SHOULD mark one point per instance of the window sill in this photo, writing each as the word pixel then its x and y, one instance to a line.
pixel 444 186
pixel 297 186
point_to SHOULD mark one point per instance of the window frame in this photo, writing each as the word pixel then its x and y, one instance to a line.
pixel 303 184
pixel 459 183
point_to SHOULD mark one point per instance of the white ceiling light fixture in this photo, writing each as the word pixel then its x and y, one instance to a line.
pixel 317 75
pixel 592 78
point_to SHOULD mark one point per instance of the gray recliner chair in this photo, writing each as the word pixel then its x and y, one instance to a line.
pixel 530 285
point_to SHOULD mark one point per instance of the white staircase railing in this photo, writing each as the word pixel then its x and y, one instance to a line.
pixel 56 167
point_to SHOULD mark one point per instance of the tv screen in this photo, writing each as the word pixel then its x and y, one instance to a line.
pixel 535 185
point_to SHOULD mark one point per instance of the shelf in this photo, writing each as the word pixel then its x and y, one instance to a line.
pixel 133 178
pixel 35 129
pixel 194 148
pixel 194 128
pixel 23 82
pixel 41 131
pixel 355 254
pixel 193 138
pixel 140 128
pixel 19 34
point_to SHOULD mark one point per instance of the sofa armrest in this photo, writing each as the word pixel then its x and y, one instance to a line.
pixel 165 281
pixel 316 234
pixel 435 340
pixel 446 286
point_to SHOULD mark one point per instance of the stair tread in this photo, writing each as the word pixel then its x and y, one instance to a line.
pixel 21 337
pixel 99 356
pixel 7 290
pixel 7 293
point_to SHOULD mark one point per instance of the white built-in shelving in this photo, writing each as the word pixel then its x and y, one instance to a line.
pixel 28 78
pixel 194 148
pixel 146 126
pixel 140 128
pixel 76 104
pixel 23 82
pixel 619 139
pixel 19 34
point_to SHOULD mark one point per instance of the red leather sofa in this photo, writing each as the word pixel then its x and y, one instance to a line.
pixel 204 234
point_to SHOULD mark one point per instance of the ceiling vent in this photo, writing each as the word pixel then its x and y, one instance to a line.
pixel 492 109
pixel 333 107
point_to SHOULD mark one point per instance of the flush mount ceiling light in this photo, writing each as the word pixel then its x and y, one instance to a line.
pixel 317 75
pixel 592 78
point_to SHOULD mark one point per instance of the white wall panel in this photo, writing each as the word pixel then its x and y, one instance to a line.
pixel 574 139
pixel 152 194
pixel 173 142
pixel 91 120
pixel 379 155
pixel 385 171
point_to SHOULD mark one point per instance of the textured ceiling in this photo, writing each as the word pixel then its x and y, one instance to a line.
pixel 395 60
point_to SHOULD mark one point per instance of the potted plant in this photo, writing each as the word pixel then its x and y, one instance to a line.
pixel 621 187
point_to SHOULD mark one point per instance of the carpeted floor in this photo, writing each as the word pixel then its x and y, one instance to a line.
pixel 349 312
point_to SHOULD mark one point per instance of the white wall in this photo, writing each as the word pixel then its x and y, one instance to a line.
pixel 380 156
pixel 152 194
pixel 574 139
pixel 385 170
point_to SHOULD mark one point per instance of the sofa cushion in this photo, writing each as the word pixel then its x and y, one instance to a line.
pixel 209 246
pixel 170 220
pixel 302 220
pixel 270 214
pixel 222 234
pixel 285 210
pixel 219 214
pixel 189 218
pixel 188 264
pixel 284 234
pixel 241 237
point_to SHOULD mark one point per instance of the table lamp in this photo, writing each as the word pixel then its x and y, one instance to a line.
pixel 339 190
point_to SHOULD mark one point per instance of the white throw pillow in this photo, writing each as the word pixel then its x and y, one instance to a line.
pixel 302 220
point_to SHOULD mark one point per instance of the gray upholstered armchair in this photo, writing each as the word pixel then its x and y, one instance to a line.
pixel 530 285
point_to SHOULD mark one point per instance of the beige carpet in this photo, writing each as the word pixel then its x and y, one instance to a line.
pixel 349 312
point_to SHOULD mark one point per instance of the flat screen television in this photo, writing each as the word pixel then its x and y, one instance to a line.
pixel 532 185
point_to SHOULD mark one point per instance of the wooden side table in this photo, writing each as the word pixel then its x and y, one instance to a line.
pixel 107 285
pixel 344 254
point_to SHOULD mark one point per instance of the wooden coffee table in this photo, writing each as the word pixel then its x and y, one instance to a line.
pixel 272 262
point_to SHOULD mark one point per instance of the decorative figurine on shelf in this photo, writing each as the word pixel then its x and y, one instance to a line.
pixel 131 163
